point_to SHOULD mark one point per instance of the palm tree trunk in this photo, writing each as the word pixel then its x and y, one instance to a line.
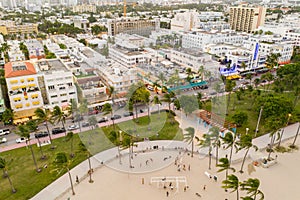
pixel 48 132
pixel 71 182
pixel 280 138
pixel 63 124
pixel 136 112
pixel 119 154
pixel 33 157
pixel 13 190
pixel 230 155
pixel 217 154
pixel 130 166
pixel 237 194
pixel 297 133
pixel 192 147
pixel 41 149
pixel 90 169
pixel 244 160
pixel 271 146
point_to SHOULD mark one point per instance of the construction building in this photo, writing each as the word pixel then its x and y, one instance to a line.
pixel 132 25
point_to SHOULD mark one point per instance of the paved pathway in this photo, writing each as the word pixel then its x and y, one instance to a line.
pixel 108 157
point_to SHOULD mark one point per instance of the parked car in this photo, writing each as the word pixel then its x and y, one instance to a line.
pixel 93 112
pixel 3 140
pixel 21 139
pixel 58 130
pixel 4 131
pixel 73 127
pixel 114 117
pixel 103 119
pixel 127 114
pixel 85 124
pixel 77 118
pixel 41 134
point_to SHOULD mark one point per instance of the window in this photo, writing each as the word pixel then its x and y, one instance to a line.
pixel 62 88
pixel 51 87
pixel 63 101
pixel 71 93
pixel 70 84
pixel 53 96
pixel 65 94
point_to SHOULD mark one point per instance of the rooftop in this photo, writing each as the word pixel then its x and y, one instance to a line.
pixel 15 69
pixel 49 66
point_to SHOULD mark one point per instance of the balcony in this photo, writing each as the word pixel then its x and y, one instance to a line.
pixel 23 91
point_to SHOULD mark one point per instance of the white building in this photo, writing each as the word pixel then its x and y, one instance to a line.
pixel 128 54
pixel 272 44
pixel 198 39
pixel 59 87
pixel 23 89
pixel 81 23
pixel 14 52
pixel 185 21
pixel 189 58
pixel 210 16
pixel 35 49
pixel 294 36
pixel 118 76
pixel 212 25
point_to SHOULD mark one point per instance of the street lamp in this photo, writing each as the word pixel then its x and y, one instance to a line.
pixel 247 129
pixel 121 139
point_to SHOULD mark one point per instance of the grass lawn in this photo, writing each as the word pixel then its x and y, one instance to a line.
pixel 28 182
pixel 247 105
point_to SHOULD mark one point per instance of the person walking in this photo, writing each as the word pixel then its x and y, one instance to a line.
pixel 204 187
pixel 167 193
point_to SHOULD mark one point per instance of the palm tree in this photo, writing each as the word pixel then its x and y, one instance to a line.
pixel 83 108
pixel 157 102
pixel 201 72
pixel 44 117
pixel 3 166
pixel 24 131
pixel 127 143
pixel 8 116
pixel 229 141
pixel 162 78
pixel 70 137
pixel 232 182
pixel 272 60
pixel 224 165
pixel 92 121
pixel 256 82
pixel 216 142
pixel 206 141
pixel 249 77
pixel 282 131
pixel 190 136
pixel 168 98
pixel 243 65
pixel 33 127
pixel 62 160
pixel 274 124
pixel 83 148
pixel 251 187
pixel 245 142
pixel 111 93
pixel 59 116
pixel 228 88
pixel 107 109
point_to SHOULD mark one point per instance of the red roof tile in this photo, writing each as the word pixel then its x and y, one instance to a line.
pixel 9 72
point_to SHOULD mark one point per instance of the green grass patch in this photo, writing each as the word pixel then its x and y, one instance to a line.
pixel 28 182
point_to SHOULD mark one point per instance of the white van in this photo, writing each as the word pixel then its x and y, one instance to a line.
pixel 4 131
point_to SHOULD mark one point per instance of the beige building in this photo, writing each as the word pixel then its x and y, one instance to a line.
pixel 84 8
pixel 246 19
pixel 16 29
pixel 132 25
